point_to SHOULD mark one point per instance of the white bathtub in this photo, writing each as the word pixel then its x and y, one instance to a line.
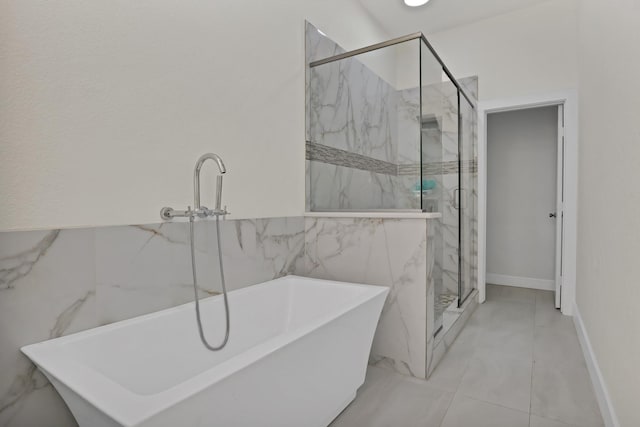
pixel 296 356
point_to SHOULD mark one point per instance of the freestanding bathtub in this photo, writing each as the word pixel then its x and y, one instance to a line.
pixel 296 356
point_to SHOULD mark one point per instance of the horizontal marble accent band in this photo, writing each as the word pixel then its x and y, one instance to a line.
pixel 373 214
pixel 335 156
pixel 438 168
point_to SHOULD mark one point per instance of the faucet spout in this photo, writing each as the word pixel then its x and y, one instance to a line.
pixel 196 180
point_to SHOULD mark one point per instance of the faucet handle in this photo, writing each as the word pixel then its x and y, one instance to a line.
pixel 203 212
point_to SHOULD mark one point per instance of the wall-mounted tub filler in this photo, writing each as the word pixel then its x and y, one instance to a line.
pixel 199 211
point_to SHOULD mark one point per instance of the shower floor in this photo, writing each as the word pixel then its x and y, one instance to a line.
pixel 443 301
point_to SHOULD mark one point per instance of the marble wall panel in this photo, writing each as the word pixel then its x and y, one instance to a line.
pixel 408 151
pixel 408 113
pixel 349 107
pixel 47 290
pixel 342 188
pixel 434 280
pixel 352 109
pixel 58 282
pixel 385 252
pixel 317 46
pixel 130 280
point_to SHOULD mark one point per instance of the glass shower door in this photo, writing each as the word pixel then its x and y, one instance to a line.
pixel 440 100
pixel 466 196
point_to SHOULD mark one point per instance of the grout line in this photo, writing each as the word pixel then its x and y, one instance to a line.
pixel 453 397
pixel 495 404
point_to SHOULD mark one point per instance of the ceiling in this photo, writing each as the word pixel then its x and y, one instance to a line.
pixel 437 15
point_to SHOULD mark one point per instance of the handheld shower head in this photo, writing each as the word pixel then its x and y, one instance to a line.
pixel 196 179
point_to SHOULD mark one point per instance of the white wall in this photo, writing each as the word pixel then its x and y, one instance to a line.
pixel 527 52
pixel 105 106
pixel 608 288
pixel 521 191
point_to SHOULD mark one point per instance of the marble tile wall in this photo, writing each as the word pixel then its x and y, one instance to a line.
pixel 408 158
pixel 58 282
pixel 388 252
pixel 350 189
pixel 47 289
pixel 350 108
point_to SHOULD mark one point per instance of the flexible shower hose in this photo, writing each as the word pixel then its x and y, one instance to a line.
pixel 195 288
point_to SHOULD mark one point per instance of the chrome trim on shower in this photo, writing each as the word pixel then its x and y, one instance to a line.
pixel 366 49
pixel 408 37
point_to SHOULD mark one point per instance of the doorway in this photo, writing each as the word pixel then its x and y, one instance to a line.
pixel 524 169
pixel 567 179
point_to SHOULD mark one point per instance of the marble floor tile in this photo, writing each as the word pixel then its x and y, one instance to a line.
pixel 509 341
pixel 499 380
pixel 557 344
pixel 389 399
pixel 503 328
pixel 546 312
pixel 467 412
pixel 504 314
pixel 488 377
pixel 564 393
pixel 536 421
pixel 449 372
pixel 510 293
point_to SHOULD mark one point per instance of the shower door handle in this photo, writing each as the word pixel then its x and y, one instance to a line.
pixel 458 199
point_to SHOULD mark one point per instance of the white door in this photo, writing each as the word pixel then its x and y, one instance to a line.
pixel 559 214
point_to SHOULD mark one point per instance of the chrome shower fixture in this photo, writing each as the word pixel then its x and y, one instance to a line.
pixel 203 212
pixel 198 210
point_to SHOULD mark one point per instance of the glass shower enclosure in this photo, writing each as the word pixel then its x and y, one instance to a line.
pixel 390 129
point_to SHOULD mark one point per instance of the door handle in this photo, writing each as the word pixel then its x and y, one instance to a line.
pixel 552 215
pixel 459 198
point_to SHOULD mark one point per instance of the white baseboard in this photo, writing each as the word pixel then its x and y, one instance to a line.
pixel 602 393
pixel 521 282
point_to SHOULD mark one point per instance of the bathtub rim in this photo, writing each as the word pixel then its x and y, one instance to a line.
pixel 129 408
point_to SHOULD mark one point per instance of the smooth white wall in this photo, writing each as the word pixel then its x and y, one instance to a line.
pixel 527 52
pixel 608 287
pixel 105 106
pixel 521 191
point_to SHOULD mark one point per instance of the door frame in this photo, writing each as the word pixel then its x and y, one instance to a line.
pixel 569 100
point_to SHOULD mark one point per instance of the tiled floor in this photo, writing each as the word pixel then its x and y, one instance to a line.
pixel 517 363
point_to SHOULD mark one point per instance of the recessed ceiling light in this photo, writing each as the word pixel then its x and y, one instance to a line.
pixel 414 3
